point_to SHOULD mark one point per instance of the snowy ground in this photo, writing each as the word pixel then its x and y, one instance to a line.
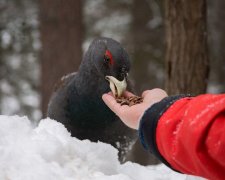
pixel 48 152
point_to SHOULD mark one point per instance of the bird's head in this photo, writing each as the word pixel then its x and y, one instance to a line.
pixel 109 61
pixel 109 58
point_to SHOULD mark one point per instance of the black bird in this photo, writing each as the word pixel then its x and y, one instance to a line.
pixel 77 102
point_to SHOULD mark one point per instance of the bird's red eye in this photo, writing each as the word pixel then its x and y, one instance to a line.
pixel 108 57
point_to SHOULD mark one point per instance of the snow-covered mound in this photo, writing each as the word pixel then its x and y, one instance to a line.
pixel 48 152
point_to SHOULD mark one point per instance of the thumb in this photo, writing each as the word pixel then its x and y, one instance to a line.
pixel 111 102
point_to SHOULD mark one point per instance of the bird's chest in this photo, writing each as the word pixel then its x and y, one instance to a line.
pixel 89 111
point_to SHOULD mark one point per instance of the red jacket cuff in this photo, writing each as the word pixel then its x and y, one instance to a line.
pixel 148 125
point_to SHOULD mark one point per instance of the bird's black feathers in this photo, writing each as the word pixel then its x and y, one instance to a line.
pixel 77 103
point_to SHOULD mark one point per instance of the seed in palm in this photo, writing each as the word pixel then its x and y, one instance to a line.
pixel 130 101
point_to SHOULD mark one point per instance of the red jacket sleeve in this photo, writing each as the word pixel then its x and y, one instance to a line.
pixel 188 134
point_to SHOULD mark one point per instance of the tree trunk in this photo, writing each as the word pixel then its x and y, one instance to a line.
pixel 61 36
pixel 216 29
pixel 1 74
pixel 186 47
pixel 147 45
pixel 144 62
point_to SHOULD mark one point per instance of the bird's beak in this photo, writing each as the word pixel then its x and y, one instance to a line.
pixel 117 87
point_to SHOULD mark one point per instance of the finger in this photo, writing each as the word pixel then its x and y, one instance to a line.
pixel 111 103
pixel 110 93
pixel 153 95
pixel 145 93
pixel 155 92
pixel 149 95
pixel 128 94
pixel 158 93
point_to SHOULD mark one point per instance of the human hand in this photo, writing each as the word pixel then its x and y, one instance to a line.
pixel 131 115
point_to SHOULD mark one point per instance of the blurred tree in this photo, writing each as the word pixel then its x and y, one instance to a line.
pixel 61 36
pixel 146 42
pixel 216 28
pixel 19 70
pixel 186 41
pixel 1 74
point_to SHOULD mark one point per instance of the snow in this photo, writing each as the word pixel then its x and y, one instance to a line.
pixel 6 39
pixel 48 152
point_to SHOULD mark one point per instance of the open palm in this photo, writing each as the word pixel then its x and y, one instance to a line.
pixel 131 115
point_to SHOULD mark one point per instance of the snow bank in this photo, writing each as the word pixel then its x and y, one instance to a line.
pixel 48 152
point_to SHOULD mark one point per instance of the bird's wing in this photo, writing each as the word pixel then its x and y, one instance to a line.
pixel 59 98
pixel 64 80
